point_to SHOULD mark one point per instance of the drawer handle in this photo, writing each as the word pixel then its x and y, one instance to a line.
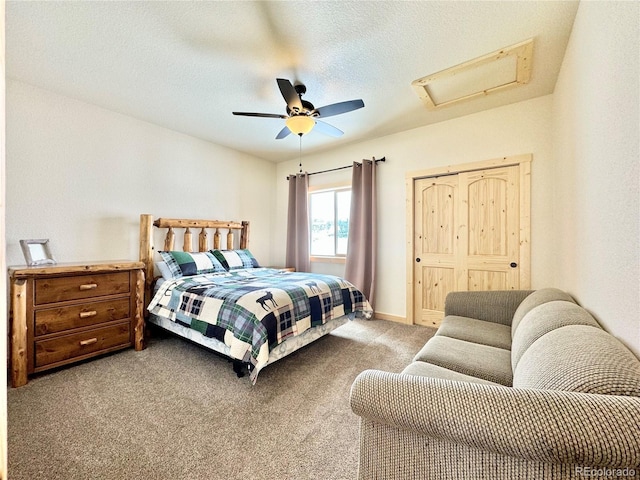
pixel 92 313
pixel 88 342
pixel 88 286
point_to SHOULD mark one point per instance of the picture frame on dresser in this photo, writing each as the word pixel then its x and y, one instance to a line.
pixel 37 252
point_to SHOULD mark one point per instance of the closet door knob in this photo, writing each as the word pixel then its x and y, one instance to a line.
pixel 418 259
pixel 513 264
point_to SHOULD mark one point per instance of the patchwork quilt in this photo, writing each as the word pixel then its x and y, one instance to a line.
pixel 254 310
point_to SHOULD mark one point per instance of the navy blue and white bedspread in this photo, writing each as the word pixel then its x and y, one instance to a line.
pixel 254 310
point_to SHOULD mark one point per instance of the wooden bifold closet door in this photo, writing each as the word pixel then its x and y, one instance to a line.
pixel 468 234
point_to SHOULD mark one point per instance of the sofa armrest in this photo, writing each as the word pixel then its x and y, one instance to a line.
pixel 496 306
pixel 540 425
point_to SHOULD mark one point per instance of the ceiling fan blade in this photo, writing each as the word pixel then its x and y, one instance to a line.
pixel 264 115
pixel 327 129
pixel 283 133
pixel 290 95
pixel 338 108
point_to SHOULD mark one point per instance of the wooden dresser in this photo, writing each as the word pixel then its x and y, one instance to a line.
pixel 70 312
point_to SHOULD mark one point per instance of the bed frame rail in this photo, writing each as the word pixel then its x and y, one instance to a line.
pixel 171 224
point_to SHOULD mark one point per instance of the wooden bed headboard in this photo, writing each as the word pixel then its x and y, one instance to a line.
pixel 147 248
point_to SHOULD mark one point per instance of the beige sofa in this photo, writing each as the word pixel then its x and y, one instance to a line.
pixel 514 385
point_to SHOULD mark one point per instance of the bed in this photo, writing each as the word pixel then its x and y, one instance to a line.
pixel 224 300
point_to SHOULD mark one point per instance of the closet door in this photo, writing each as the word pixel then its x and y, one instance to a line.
pixel 467 236
pixel 436 238
pixel 489 257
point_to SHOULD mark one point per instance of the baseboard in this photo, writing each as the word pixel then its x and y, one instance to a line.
pixel 391 317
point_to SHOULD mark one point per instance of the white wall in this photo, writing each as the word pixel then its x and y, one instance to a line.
pixel 81 176
pixel 597 153
pixel 515 129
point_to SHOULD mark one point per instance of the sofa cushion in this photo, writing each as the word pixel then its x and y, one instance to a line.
pixel 497 306
pixel 424 369
pixel 579 358
pixel 543 319
pixel 476 331
pixel 482 361
pixel 538 297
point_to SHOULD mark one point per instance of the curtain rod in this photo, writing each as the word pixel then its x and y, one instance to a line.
pixel 341 168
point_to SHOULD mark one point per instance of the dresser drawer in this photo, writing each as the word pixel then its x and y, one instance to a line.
pixel 60 289
pixel 81 344
pixel 55 320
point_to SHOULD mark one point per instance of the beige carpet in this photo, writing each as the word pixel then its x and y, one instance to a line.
pixel 177 411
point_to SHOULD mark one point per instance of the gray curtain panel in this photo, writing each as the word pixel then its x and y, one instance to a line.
pixel 298 223
pixel 360 268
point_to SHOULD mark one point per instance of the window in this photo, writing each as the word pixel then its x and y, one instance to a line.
pixel 329 223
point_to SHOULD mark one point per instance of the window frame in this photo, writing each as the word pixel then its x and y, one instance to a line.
pixel 332 187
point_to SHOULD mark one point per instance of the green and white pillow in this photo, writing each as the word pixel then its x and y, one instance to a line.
pixel 236 259
pixel 184 264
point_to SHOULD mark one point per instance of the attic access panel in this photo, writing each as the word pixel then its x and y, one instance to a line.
pixel 505 68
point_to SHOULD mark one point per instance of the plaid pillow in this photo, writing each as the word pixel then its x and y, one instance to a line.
pixel 163 268
pixel 182 263
pixel 236 259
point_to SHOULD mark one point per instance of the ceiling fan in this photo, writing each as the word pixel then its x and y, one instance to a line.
pixel 301 115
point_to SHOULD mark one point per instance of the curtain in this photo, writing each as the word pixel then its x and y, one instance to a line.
pixel 298 223
pixel 360 268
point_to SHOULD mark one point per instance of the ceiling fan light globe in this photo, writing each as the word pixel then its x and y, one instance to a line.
pixel 300 124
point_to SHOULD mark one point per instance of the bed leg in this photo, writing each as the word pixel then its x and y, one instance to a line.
pixel 237 368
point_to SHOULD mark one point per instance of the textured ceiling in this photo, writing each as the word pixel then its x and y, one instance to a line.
pixel 187 65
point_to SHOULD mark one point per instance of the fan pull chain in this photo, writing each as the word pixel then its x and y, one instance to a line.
pixel 300 165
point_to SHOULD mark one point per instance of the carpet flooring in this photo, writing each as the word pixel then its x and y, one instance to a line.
pixel 177 411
